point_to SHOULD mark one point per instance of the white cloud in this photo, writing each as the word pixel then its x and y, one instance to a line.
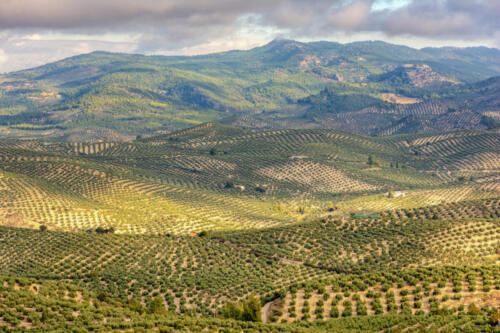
pixel 218 45
pixel 3 57
pixel 379 5
pixel 104 37
pixel 351 16
pixel 24 52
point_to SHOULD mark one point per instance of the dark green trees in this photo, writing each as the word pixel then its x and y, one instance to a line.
pixel 156 306
pixel 248 310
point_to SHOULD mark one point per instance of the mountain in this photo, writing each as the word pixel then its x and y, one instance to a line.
pixel 294 187
pixel 117 96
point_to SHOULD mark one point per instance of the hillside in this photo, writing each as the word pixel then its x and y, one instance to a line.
pixel 198 275
pixel 215 177
pixel 330 231
pixel 378 109
pixel 116 96
pixel 49 306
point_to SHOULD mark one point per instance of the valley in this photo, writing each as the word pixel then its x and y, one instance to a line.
pixel 292 187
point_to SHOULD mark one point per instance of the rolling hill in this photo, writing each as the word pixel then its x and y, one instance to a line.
pixel 321 230
pixel 216 177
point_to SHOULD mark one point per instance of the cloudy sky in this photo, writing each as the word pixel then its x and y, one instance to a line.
pixel 34 32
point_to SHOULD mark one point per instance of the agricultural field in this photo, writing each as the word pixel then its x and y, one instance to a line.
pixel 225 229
pixel 32 305
pixel 215 177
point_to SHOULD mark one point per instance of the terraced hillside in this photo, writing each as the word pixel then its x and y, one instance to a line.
pixel 376 109
pixel 416 292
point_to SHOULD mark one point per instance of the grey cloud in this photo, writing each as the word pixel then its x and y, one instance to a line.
pixel 176 23
pixel 192 21
pixel 442 18
pixel 169 25
pixel 352 16
pixel 84 13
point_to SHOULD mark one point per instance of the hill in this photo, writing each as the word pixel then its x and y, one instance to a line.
pixel 215 177
pixel 49 306
pixel 303 230
pixel 116 96
pixel 392 105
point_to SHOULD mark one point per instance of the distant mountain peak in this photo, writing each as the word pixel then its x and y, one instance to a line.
pixel 285 43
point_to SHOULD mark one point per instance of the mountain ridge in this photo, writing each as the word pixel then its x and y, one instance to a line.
pixel 125 95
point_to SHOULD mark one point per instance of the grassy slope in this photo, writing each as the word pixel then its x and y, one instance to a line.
pixel 197 275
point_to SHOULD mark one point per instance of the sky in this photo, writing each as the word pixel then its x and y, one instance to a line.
pixel 35 32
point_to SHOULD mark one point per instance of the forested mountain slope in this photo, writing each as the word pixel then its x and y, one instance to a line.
pixel 117 96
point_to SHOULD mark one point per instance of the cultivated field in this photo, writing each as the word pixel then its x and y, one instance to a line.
pixel 329 230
